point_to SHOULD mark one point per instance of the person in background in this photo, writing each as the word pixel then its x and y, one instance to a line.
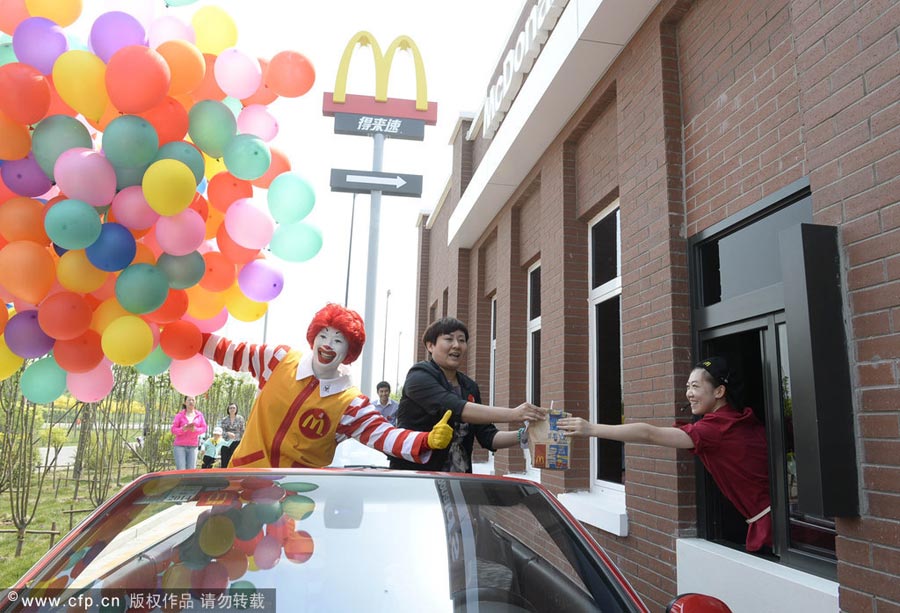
pixel 187 427
pixel 233 431
pixel 437 384
pixel 386 405
pixel 728 438
pixel 212 447
pixel 307 403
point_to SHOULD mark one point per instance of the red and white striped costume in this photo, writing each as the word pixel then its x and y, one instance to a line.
pixel 298 420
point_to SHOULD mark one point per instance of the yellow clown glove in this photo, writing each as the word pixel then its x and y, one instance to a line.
pixel 441 435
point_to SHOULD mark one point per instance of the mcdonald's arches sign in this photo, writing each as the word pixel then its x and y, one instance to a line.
pixel 339 101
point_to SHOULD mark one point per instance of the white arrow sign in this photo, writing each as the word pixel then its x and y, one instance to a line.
pixel 397 182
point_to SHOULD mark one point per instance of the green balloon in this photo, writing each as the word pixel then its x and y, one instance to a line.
pixel 185 153
pixel 142 288
pixel 247 157
pixel 43 381
pixel 296 242
pixel 290 198
pixel 130 141
pixel 182 271
pixel 72 224
pixel 154 364
pixel 7 55
pixel 127 177
pixel 54 135
pixel 234 104
pixel 211 125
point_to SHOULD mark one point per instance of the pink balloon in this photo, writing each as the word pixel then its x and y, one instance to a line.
pixel 181 234
pixel 257 120
pixel 267 552
pixel 93 385
pixel 130 209
pixel 237 73
pixel 84 174
pixel 192 376
pixel 247 225
pixel 260 280
pixel 168 28
pixel 209 325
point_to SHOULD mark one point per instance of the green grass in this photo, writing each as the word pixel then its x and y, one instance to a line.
pixel 57 497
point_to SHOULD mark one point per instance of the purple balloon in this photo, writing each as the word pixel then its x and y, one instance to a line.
pixel 114 30
pixel 260 281
pixel 39 41
pixel 24 336
pixel 25 177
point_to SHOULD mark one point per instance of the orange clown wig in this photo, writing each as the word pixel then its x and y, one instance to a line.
pixel 348 322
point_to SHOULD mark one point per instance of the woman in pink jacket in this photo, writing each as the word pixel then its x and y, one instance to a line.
pixel 187 427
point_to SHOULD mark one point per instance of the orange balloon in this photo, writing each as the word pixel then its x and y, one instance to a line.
pixel 80 354
pixel 76 273
pixel 200 205
pixel 109 113
pixel 12 13
pixel 208 89
pixel 15 139
pixel 220 272
pixel 203 304
pixel 290 74
pixel 107 312
pixel 280 163
pixel 234 252
pixel 27 270
pixel 186 63
pixel 137 79
pixel 172 309
pixel 22 219
pixel 4 317
pixel 215 219
pixel 58 106
pixel 180 340
pixel 24 93
pixel 143 255
pixel 64 316
pixel 108 289
pixel 169 118
pixel 225 188
pixel 263 94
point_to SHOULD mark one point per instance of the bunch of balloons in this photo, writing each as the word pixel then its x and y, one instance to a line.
pixel 128 170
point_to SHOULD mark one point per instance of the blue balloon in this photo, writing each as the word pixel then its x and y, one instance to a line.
pixel 114 249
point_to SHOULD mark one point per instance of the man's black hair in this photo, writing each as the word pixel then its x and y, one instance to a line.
pixel 383 384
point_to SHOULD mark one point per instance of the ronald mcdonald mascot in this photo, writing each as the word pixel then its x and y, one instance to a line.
pixel 307 404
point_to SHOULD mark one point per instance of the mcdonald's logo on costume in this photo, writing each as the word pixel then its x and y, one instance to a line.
pixel 340 101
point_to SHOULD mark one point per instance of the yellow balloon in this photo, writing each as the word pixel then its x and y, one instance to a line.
pixel 76 273
pixel 242 308
pixel 204 304
pixel 107 312
pixel 80 79
pixel 213 166
pixel 127 340
pixel 215 30
pixel 63 12
pixel 169 186
pixel 9 361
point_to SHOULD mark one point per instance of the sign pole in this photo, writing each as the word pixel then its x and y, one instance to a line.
pixel 372 268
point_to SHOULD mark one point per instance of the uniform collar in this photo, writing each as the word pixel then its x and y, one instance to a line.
pixel 327 387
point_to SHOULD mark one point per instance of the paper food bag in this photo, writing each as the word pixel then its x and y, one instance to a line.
pixel 549 447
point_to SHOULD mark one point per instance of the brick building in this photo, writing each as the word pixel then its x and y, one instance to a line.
pixel 649 182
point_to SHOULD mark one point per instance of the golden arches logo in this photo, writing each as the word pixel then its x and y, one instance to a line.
pixel 341 102
pixel 383 63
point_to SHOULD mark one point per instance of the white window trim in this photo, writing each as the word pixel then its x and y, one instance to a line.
pixel 603 506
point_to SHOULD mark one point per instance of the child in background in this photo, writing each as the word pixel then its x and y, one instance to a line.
pixel 212 447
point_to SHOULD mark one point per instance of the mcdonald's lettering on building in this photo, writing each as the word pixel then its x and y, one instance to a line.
pixel 339 101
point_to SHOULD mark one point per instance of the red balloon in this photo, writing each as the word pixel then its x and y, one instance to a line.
pixel 180 340
pixel 80 354
pixel 172 309
pixel 220 272
pixel 64 316
pixel 290 74
pixel 234 252
pixel 4 317
pixel 24 93
pixel 170 120
pixel 264 94
pixel 225 188
pixel 208 88
pixel 137 79
pixel 200 205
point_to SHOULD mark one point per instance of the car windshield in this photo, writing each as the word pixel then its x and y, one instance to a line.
pixel 332 541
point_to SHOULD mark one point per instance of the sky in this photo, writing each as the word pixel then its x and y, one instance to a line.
pixel 461 43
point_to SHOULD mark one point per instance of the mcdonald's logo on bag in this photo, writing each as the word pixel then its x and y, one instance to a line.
pixel 340 101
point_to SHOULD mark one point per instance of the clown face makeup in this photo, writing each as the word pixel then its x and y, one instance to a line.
pixel 329 350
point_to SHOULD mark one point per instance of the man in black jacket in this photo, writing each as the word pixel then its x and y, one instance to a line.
pixel 436 385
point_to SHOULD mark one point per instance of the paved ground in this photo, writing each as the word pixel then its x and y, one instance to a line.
pixel 66 455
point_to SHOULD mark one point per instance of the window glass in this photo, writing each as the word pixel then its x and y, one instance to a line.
pixel 536 367
pixel 534 293
pixel 604 250
pixel 608 376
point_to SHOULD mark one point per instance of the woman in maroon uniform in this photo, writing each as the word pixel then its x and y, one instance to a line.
pixel 730 441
